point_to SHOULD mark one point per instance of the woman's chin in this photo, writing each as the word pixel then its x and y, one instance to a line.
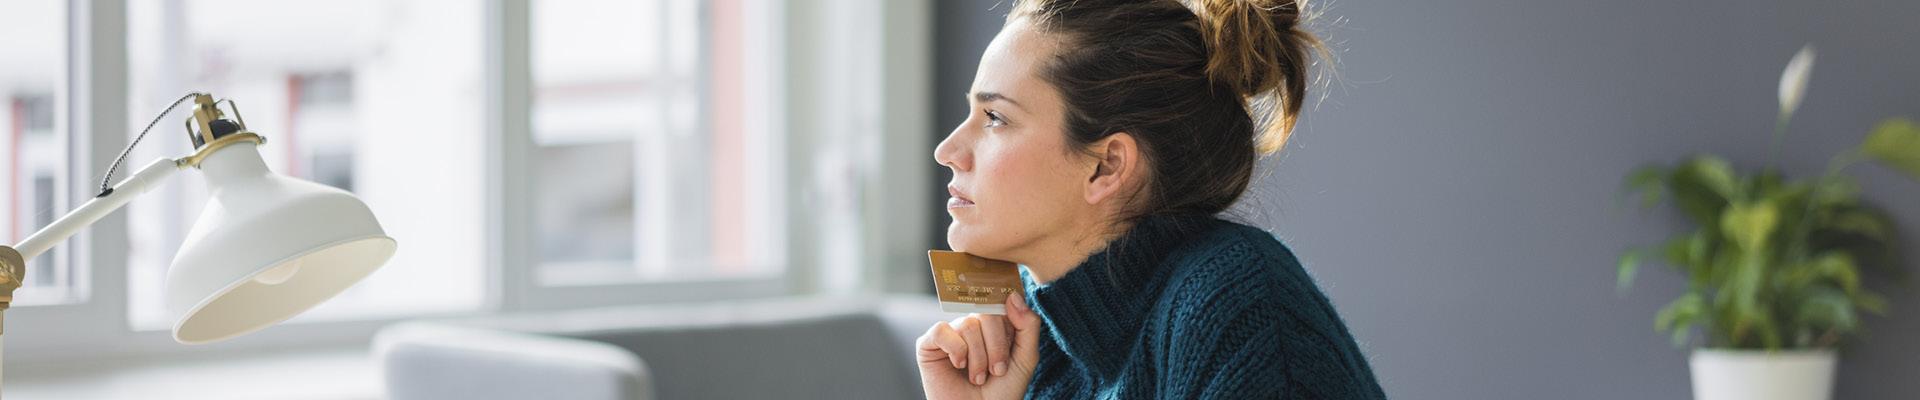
pixel 962 237
pixel 956 237
pixel 972 241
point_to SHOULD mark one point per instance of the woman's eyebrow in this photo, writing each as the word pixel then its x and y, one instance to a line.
pixel 983 97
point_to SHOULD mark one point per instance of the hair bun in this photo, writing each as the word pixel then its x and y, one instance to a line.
pixel 1257 48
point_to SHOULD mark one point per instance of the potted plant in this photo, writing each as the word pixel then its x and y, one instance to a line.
pixel 1774 265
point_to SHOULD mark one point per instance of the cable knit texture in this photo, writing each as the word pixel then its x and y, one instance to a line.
pixel 1192 307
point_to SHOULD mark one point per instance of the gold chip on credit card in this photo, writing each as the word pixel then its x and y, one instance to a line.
pixel 973 284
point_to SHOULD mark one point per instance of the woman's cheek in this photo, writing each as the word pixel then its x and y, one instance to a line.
pixel 996 193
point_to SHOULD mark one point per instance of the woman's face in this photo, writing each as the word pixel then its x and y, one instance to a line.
pixel 1017 185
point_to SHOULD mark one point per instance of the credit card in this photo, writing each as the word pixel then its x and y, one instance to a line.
pixel 972 284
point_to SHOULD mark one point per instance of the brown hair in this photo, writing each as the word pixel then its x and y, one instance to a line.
pixel 1205 87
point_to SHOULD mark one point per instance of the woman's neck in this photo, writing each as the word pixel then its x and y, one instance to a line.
pixel 1061 256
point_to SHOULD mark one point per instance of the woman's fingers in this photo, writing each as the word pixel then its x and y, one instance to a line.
pixel 1026 332
pixel 978 345
pixel 999 342
pixel 977 364
pixel 943 342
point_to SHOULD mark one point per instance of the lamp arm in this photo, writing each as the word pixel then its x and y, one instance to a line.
pixel 13 259
pixel 98 207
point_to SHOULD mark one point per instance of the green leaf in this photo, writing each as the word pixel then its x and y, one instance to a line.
pixel 1680 316
pixel 1861 222
pixel 1646 181
pixel 1829 309
pixel 1629 264
pixel 1702 186
pixel 1896 143
pixel 1768 328
pixel 1871 302
pixel 1681 333
pixel 1716 173
pixel 1744 286
pixel 1700 247
pixel 1721 265
pixel 1749 225
pixel 1836 192
pixel 1676 251
pixel 1790 206
pixel 1840 269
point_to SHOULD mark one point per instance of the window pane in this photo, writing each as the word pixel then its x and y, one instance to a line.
pixel 651 162
pixel 33 141
pixel 381 98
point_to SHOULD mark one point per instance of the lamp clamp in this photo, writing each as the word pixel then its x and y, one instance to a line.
pixel 13 271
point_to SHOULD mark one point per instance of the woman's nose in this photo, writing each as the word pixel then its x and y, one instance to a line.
pixel 951 152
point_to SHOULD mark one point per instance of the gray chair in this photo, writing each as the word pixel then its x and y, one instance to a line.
pixel 787 348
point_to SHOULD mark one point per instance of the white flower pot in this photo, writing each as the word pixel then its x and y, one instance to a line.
pixel 1763 375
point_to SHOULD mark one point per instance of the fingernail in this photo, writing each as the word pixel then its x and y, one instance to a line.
pixel 979 379
pixel 1020 301
pixel 963 364
pixel 1000 369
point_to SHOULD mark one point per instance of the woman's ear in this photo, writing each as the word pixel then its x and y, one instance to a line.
pixel 1117 170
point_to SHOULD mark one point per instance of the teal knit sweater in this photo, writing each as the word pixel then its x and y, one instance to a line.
pixel 1193 308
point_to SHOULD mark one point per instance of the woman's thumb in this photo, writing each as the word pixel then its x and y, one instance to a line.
pixel 1026 330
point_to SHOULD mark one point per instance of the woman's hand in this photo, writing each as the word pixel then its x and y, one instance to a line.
pixel 981 356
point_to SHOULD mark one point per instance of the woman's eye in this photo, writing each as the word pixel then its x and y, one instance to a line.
pixel 993 119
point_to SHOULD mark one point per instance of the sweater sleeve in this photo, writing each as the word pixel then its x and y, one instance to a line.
pixel 1219 360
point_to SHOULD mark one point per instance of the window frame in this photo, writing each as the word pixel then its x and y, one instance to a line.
pixel 511 138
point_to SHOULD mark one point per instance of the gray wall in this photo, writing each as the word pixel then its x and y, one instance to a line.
pixel 1454 194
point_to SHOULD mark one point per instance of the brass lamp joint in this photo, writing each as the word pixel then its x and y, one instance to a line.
pixel 214 130
pixel 13 271
pixel 215 145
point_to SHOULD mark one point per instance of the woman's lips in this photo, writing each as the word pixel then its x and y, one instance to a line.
pixel 958 200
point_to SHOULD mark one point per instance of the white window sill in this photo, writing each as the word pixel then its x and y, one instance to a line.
pixel 328 373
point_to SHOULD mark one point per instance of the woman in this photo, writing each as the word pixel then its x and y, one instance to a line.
pixel 1104 135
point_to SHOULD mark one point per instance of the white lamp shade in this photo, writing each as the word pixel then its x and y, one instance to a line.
pixel 266 248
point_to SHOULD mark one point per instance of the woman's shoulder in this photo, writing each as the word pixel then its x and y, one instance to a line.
pixel 1238 299
pixel 1232 271
pixel 1232 255
pixel 1240 283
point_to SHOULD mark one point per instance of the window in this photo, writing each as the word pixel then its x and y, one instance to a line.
pixel 649 162
pixel 380 98
pixel 654 157
pixel 33 141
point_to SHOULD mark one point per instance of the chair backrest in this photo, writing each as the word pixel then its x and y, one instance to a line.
pixel 834 356
pixel 426 361
pixel 780 348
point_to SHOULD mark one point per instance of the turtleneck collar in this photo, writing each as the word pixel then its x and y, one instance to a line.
pixel 1095 311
